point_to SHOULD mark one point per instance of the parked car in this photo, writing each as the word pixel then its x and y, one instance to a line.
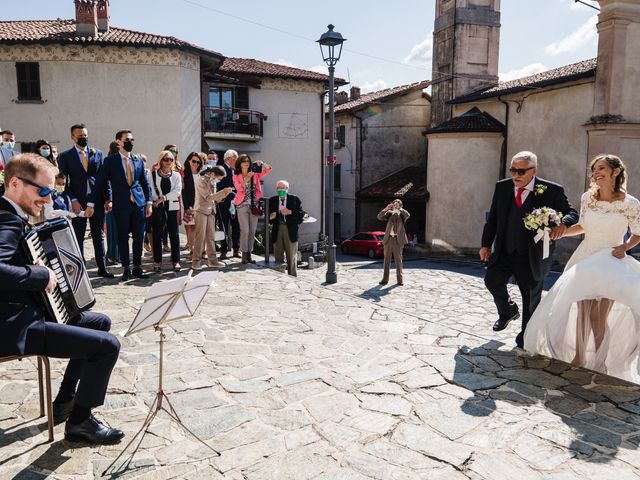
pixel 364 243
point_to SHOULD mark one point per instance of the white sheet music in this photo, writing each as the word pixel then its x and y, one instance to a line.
pixel 172 300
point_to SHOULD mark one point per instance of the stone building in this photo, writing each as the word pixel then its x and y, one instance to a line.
pixel 55 73
pixel 566 115
pixel 380 155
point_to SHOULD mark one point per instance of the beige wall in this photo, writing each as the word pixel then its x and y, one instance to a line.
pixel 461 173
pixel 293 149
pixel 152 92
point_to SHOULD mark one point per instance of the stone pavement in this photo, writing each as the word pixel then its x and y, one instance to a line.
pixel 292 379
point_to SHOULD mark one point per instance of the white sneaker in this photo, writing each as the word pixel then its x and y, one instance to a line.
pixel 520 352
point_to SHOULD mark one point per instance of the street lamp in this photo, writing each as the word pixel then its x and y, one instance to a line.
pixel 330 54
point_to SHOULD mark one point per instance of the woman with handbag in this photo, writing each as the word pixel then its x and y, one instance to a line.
pixel 166 187
pixel 193 165
pixel 205 215
pixel 246 180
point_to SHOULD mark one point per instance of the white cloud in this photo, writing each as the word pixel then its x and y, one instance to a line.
pixel 286 63
pixel 522 72
pixel 319 69
pixel 373 86
pixel 584 35
pixel 421 53
pixel 573 5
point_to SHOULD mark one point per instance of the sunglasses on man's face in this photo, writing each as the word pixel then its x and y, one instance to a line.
pixel 520 171
pixel 42 191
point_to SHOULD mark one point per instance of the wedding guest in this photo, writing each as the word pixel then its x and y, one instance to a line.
pixel 166 187
pixel 113 251
pixel 193 166
pixel 395 238
pixel 246 181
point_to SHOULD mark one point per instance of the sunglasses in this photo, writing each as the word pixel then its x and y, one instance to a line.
pixel 42 191
pixel 520 171
pixel 167 159
pixel 196 162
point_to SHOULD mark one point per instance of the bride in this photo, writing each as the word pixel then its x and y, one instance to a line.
pixel 591 316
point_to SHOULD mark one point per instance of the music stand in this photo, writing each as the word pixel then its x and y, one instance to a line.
pixel 167 301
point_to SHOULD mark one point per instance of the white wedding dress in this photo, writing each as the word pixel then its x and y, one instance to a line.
pixel 594 273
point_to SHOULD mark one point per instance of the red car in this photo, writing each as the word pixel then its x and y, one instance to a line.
pixel 364 243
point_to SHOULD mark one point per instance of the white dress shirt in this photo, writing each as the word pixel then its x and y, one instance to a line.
pixel 528 188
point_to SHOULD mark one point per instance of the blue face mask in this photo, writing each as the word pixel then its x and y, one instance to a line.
pixel 9 145
pixel 45 153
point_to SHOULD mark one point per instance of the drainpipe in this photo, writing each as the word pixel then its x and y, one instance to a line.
pixel 322 157
pixel 358 168
pixel 505 143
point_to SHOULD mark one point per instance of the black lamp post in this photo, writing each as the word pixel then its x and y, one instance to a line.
pixel 331 48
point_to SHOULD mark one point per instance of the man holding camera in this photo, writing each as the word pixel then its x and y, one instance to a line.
pixel 395 237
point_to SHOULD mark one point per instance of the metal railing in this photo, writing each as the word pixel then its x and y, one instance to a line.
pixel 233 121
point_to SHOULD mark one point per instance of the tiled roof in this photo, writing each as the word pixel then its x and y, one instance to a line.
pixel 257 68
pixel 472 121
pixel 408 184
pixel 380 96
pixel 568 73
pixel 64 32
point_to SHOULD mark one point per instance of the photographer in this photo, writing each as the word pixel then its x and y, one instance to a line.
pixel 395 237
pixel 246 179
pixel 206 196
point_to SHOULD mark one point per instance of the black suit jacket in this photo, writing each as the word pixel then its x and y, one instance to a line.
pixel 21 316
pixel 294 204
pixel 503 196
pixel 227 181
pixel 70 164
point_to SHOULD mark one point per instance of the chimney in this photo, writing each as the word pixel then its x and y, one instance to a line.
pixel 355 93
pixel 341 97
pixel 103 16
pixel 86 18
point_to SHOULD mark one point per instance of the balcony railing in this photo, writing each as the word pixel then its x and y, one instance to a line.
pixel 236 121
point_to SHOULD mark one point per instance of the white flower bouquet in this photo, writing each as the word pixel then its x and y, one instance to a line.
pixel 542 220
pixel 1 178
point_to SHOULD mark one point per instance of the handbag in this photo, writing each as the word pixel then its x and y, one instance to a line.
pixel 257 209
pixel 159 215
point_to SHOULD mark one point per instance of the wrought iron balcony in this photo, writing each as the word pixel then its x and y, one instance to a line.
pixel 232 122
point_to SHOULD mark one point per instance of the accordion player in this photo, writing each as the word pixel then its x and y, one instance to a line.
pixel 54 242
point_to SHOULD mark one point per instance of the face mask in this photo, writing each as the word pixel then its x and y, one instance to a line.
pixel 128 145
pixel 45 153
pixel 82 142
pixel 9 145
pixel 215 180
pixel 60 188
pixel 174 151
pixel 282 193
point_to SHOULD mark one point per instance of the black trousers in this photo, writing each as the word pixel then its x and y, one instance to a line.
pixel 496 279
pixel 92 351
pixel 171 228
pixel 130 221
pixel 96 224
pixel 230 226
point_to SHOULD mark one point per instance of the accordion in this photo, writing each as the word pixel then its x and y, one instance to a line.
pixel 54 242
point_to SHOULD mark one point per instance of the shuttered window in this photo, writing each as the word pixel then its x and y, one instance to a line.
pixel 28 76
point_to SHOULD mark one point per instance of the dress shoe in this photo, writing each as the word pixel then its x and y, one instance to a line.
pixel 215 264
pixel 126 274
pixel 105 273
pixel 195 265
pixel 236 254
pixel 400 283
pixel 139 273
pixel 223 256
pixel 503 321
pixel 383 282
pixel 92 431
pixel 249 259
pixel 62 411
pixel 177 267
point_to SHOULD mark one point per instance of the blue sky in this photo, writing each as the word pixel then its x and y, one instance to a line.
pixel 536 35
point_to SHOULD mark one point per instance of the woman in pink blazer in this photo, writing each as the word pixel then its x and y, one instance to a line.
pixel 246 180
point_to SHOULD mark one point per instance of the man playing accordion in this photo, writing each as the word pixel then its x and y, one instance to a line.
pixel 25 328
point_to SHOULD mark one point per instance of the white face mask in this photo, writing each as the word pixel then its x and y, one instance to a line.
pixel 60 188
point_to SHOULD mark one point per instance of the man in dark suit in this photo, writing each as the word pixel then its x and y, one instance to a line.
pixel 84 339
pixel 81 164
pixel 7 144
pixel 515 251
pixel 229 221
pixel 131 200
pixel 285 215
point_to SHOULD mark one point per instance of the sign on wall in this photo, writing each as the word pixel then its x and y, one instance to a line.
pixel 293 125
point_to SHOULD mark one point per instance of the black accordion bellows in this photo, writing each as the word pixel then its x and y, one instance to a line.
pixel 54 242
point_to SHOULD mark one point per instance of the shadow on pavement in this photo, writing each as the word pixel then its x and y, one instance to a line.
pixel 601 412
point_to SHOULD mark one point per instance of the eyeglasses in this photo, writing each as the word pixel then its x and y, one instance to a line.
pixel 167 159
pixel 520 171
pixel 42 191
pixel 196 162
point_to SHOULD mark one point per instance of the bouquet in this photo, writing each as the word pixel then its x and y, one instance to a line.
pixel 1 178
pixel 542 220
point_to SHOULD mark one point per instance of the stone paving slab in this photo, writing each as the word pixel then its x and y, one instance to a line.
pixel 292 379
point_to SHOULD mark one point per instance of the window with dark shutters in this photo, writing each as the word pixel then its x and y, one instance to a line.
pixel 242 98
pixel 28 76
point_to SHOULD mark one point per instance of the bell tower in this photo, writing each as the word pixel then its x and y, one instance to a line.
pixel 466 41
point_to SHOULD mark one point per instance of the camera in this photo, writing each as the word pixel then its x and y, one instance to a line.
pixel 256 168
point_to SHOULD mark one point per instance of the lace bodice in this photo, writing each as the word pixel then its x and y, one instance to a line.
pixel 606 223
